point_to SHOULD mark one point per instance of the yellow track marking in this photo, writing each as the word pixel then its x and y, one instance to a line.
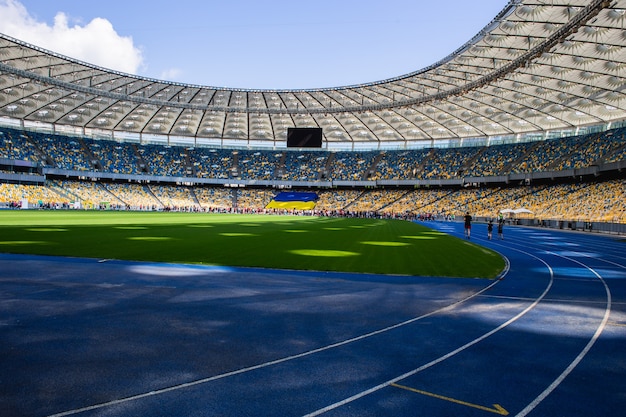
pixel 497 408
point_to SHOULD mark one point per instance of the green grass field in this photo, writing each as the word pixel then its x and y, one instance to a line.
pixel 283 242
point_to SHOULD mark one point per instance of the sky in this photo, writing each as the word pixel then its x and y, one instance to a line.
pixel 277 44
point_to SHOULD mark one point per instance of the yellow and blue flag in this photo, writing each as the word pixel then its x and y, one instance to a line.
pixel 292 200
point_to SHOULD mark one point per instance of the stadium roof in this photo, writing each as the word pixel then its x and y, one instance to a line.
pixel 539 65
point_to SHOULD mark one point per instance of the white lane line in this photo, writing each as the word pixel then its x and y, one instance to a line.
pixel 530 407
pixel 281 360
pixel 446 356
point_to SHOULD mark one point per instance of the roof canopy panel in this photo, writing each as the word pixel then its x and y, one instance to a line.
pixel 534 67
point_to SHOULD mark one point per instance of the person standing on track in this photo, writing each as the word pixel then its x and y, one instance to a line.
pixel 489 229
pixel 468 225
pixel 500 229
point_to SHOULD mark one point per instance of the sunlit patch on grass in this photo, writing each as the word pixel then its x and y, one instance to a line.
pixel 381 243
pixel 45 229
pixel 130 227
pixel 200 226
pixel 334 228
pixel 419 237
pixel 296 231
pixel 323 253
pixel 150 238
pixel 23 242
pixel 233 234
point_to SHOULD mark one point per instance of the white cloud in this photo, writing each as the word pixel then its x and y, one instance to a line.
pixel 96 42
pixel 171 74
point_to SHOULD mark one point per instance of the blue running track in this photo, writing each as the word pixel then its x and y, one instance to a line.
pixel 87 337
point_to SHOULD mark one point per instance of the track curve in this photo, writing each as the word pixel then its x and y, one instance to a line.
pixel 125 338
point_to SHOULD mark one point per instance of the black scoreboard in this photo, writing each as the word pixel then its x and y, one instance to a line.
pixel 304 137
